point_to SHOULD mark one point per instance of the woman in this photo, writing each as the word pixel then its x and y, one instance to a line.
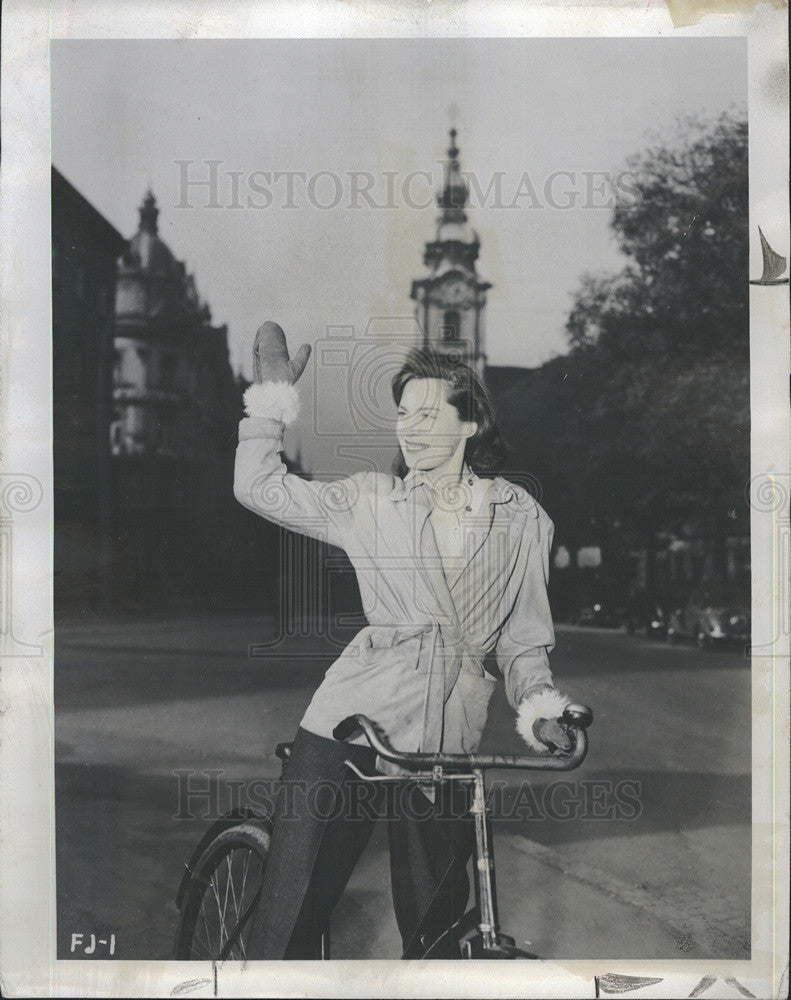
pixel 451 566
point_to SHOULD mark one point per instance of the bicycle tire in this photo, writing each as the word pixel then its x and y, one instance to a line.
pixel 222 893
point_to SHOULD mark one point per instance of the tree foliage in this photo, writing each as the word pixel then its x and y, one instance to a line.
pixel 683 291
pixel 644 424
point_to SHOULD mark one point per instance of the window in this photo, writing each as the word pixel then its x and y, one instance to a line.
pixel 451 325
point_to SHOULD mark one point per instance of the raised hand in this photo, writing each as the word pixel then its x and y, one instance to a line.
pixel 270 356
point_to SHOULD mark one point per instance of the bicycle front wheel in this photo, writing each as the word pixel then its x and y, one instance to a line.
pixel 223 892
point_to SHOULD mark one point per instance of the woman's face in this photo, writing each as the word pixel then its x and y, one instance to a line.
pixel 429 429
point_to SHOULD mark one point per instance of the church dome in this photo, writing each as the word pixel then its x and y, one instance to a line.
pixel 146 250
pixel 152 283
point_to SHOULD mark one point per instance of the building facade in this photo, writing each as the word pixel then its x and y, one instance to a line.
pixel 450 297
pixel 176 404
pixel 145 416
pixel 85 247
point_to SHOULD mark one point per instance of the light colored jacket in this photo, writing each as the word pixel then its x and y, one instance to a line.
pixel 417 668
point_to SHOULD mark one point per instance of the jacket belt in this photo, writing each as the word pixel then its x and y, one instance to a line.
pixel 444 651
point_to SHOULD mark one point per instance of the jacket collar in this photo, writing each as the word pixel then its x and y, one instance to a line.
pixel 513 498
pixel 417 477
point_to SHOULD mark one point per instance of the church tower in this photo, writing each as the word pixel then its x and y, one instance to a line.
pixel 450 298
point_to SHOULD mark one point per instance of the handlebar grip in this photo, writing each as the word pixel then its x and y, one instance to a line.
pixel 346 727
pixel 580 716
pixel 543 730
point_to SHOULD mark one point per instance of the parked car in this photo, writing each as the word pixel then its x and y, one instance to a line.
pixel 645 613
pixel 714 615
pixel 599 615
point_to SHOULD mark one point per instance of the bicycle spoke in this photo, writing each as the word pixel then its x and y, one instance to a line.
pixel 240 927
pixel 223 925
pixel 199 940
pixel 233 894
pixel 233 889
pixel 220 911
pixel 223 913
pixel 206 925
pixel 244 874
pixel 237 907
pixel 219 906
pixel 244 887
pixel 238 901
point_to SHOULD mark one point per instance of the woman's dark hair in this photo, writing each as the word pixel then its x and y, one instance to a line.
pixel 485 450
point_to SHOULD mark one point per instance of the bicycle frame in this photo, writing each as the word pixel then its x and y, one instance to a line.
pixel 476 933
pixel 484 872
pixel 485 940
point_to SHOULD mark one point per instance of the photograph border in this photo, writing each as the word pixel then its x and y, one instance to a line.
pixel 28 963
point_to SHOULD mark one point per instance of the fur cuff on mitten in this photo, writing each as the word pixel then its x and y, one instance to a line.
pixel 544 704
pixel 277 400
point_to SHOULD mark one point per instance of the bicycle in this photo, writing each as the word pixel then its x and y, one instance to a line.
pixel 222 883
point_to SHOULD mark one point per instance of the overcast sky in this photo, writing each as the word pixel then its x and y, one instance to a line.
pixel 125 112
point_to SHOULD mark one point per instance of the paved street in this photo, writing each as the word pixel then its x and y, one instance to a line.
pixel 643 853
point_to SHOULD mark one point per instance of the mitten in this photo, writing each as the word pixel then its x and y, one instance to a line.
pixel 537 716
pixel 272 394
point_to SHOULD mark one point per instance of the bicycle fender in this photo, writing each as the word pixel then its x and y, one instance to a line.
pixel 233 818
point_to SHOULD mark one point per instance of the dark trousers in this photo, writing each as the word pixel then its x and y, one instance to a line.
pixel 323 818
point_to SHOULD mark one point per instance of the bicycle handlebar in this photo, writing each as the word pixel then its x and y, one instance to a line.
pixel 575 720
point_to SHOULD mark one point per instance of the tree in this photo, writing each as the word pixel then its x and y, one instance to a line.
pixel 664 343
pixel 684 289
pixel 644 425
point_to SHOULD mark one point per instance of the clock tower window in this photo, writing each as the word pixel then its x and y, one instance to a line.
pixel 451 325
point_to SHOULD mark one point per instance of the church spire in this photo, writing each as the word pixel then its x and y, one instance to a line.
pixel 453 197
pixel 450 296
